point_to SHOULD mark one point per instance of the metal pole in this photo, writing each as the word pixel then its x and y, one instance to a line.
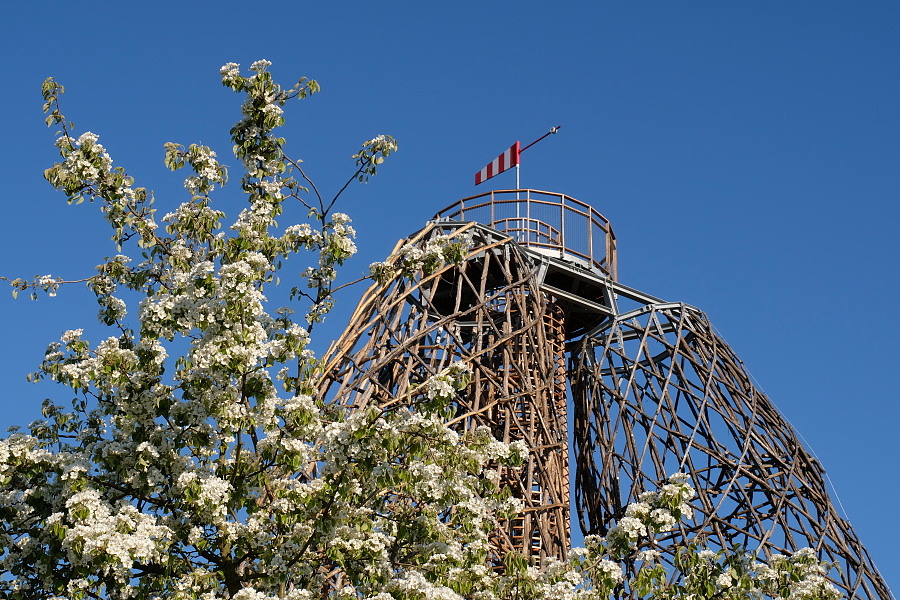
pixel 518 220
pixel 562 225
pixel 518 185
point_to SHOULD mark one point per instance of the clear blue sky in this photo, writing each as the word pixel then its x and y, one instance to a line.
pixel 746 154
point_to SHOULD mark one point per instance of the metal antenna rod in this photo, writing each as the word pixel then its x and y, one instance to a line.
pixel 552 130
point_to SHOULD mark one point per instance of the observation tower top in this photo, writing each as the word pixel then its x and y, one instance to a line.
pixel 548 223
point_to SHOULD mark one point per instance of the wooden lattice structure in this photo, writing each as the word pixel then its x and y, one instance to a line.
pixel 656 391
pixel 489 312
pixel 536 310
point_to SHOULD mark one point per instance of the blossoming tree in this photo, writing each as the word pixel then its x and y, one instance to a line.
pixel 216 472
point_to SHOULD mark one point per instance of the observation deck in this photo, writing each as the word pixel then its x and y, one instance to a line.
pixel 572 244
pixel 548 223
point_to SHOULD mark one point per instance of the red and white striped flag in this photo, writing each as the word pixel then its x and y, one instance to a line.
pixel 510 158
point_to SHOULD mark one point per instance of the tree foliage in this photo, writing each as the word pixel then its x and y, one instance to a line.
pixel 197 461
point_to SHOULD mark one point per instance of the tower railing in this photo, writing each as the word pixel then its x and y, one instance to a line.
pixel 553 224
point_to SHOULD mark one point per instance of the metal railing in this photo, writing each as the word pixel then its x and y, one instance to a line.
pixel 554 224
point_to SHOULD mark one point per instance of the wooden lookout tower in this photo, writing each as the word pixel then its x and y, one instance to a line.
pixel 611 388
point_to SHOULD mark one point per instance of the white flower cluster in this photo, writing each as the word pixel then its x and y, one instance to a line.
pixel 414 584
pixel 208 170
pixel 383 144
pixel 381 272
pixel 230 70
pixel 611 571
pixel 21 449
pixel 112 309
pixel 301 236
pixel 208 493
pixel 372 154
pixel 652 514
pixel 413 258
pixel 253 222
pixel 187 220
pixel 804 573
pixel 85 158
pixel 648 556
pixel 444 385
pixel 72 335
pixel 260 65
pixel 120 532
pixel 725 580
pixel 337 245
pixel 86 171
pixel 48 283
pixel 107 367
pixel 262 112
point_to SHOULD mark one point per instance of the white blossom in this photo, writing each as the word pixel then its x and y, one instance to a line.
pixel 230 69
pixel 260 65
pixel 72 335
